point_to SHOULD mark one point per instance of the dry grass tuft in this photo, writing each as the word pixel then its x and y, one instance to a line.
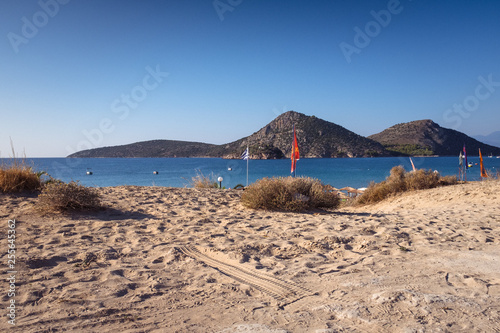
pixel 492 175
pixel 401 181
pixel 19 177
pixel 288 194
pixel 58 197
pixel 202 181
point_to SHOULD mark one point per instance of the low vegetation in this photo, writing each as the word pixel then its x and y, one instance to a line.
pixel 410 149
pixel 58 197
pixel 55 196
pixel 401 181
pixel 492 175
pixel 18 177
pixel 202 181
pixel 289 194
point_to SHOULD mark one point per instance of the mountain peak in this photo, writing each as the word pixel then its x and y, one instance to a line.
pixel 316 138
pixel 286 120
pixel 425 137
pixel 290 115
pixel 423 122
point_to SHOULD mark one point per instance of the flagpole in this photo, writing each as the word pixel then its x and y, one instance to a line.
pixel 480 164
pixel 293 153
pixel 466 165
pixel 247 162
pixel 460 166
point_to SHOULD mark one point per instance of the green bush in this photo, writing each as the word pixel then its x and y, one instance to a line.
pixel 401 181
pixel 288 194
pixel 57 197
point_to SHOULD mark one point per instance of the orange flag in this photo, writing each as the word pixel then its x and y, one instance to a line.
pixel 295 151
pixel 483 171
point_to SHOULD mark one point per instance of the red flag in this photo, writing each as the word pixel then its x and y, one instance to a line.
pixel 295 151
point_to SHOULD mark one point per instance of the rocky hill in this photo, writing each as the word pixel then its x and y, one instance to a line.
pixel 425 137
pixel 316 138
pixel 155 148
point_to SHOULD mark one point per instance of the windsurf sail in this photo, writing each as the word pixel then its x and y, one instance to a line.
pixel 412 165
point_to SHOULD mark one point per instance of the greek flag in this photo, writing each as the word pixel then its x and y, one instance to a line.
pixel 245 155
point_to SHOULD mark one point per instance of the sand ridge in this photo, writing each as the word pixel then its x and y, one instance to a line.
pixel 188 260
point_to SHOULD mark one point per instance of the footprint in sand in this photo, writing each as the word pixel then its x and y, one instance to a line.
pixel 124 291
pixel 463 281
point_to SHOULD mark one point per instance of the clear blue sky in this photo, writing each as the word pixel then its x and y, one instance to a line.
pixel 84 74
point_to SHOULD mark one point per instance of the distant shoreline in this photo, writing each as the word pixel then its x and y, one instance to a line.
pixel 236 159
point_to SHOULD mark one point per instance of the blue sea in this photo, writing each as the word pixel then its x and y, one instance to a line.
pixel 177 172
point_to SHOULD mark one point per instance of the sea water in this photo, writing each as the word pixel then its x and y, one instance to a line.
pixel 178 172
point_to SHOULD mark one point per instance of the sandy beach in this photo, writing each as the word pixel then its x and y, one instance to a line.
pixel 188 260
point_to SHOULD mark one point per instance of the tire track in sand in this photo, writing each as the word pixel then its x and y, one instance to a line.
pixel 284 292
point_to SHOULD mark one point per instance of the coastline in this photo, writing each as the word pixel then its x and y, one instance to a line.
pixel 179 259
pixel 176 172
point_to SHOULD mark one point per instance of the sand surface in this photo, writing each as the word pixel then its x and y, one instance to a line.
pixel 187 260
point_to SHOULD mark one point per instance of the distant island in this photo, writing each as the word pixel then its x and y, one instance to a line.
pixel 425 137
pixel 317 138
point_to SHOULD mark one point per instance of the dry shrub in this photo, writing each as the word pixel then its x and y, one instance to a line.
pixel 421 179
pixel 57 197
pixel 202 181
pixel 401 181
pixel 288 194
pixel 19 177
pixel 492 175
